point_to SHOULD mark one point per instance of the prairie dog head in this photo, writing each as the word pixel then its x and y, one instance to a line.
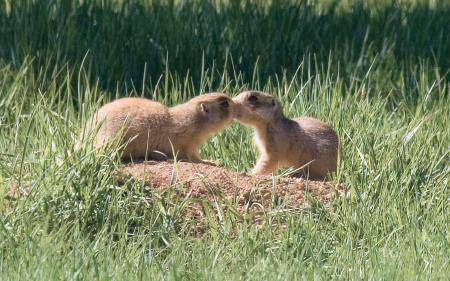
pixel 256 108
pixel 216 110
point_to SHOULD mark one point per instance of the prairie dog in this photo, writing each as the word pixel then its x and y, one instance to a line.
pixel 153 130
pixel 285 142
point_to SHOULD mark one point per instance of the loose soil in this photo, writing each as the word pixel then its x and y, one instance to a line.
pixel 214 191
pixel 246 194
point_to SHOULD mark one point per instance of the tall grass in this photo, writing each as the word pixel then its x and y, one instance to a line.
pixel 376 71
pixel 127 37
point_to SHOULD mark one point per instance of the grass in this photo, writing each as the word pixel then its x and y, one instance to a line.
pixel 375 70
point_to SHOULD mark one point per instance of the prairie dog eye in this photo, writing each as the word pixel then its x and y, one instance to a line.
pixel 252 98
pixel 274 102
pixel 224 104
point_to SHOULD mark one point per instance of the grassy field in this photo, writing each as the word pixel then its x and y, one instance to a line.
pixel 375 70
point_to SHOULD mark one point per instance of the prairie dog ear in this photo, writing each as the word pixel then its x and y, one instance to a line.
pixel 204 107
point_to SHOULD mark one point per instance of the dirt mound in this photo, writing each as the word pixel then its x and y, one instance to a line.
pixel 221 189
pixel 246 194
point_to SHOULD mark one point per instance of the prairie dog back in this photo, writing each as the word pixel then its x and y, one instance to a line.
pixel 134 116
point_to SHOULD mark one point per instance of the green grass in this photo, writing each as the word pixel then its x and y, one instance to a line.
pixel 375 70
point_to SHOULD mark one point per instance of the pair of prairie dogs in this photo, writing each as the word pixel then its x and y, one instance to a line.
pixel 149 129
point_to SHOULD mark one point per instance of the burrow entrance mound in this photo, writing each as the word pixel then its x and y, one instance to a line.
pixel 248 195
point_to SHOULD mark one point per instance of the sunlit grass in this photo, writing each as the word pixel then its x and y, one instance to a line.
pixel 387 98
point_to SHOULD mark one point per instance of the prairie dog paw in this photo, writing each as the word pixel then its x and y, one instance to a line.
pixel 209 162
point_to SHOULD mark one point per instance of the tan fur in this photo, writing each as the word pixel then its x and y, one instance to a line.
pixel 153 130
pixel 285 142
